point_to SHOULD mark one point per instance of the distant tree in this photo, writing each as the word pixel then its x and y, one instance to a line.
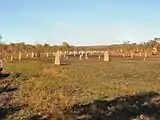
pixel 152 43
pixel 39 48
pixel 55 47
pixel 46 45
pixel 65 46
pixel 126 42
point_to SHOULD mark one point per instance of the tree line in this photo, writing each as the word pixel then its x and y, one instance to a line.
pixel 126 46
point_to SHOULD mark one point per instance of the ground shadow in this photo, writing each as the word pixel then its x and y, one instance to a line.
pixel 5 75
pixel 6 107
pixel 65 63
pixel 35 117
pixel 8 111
pixel 2 75
pixel 7 88
pixel 120 108
pixel 40 117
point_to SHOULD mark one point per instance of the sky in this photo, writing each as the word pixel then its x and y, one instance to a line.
pixel 79 22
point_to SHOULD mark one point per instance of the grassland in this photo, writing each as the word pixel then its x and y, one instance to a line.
pixel 43 89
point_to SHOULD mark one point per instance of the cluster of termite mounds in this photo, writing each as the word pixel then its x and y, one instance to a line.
pixel 59 55
pixel 105 54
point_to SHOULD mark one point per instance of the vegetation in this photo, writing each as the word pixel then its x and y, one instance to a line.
pixel 126 46
pixel 37 89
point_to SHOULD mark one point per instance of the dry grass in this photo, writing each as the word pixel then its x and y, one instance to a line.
pixel 49 71
pixel 55 88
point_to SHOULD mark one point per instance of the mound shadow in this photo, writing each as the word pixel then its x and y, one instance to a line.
pixel 120 108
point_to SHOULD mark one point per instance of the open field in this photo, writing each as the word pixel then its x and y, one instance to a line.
pixel 37 89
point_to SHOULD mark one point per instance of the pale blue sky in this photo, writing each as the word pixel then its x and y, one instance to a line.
pixel 79 22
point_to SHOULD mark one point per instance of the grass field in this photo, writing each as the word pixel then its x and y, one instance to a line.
pixel 39 88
